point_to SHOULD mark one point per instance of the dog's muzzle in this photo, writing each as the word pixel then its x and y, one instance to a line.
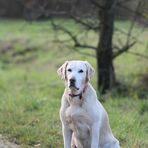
pixel 72 84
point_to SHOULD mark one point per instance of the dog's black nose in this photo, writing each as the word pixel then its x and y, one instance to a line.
pixel 72 81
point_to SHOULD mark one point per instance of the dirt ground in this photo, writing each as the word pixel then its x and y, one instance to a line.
pixel 5 144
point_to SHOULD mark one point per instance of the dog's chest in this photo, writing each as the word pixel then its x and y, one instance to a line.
pixel 76 101
pixel 78 120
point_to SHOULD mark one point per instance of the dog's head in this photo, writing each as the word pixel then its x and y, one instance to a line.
pixel 76 74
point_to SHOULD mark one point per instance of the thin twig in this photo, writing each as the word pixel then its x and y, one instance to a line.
pixel 95 3
pixel 138 54
pixel 133 23
pixel 128 43
pixel 87 25
pixel 124 1
pixel 131 11
pixel 123 49
pixel 72 36
pixel 126 33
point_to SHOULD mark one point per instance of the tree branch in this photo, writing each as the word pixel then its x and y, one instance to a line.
pixel 131 11
pixel 126 33
pixel 123 49
pixel 123 1
pixel 87 25
pixel 72 36
pixel 128 45
pixel 95 3
pixel 138 54
pixel 133 23
pixel 91 26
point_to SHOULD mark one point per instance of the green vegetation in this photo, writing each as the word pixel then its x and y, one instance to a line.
pixel 30 90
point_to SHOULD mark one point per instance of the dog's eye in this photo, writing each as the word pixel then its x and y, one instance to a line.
pixel 69 70
pixel 81 71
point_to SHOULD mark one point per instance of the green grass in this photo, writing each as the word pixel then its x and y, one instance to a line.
pixel 30 90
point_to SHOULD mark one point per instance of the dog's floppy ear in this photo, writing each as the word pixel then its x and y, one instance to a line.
pixel 62 70
pixel 90 71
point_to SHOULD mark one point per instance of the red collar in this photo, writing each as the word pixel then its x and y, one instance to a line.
pixel 72 95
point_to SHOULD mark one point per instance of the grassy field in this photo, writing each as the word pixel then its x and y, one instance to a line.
pixel 30 90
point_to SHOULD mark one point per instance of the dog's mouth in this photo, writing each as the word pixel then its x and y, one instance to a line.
pixel 72 84
pixel 73 87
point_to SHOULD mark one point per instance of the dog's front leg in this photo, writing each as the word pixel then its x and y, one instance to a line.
pixel 95 135
pixel 67 134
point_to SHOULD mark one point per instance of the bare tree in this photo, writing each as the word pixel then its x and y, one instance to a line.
pixel 106 74
pixel 105 53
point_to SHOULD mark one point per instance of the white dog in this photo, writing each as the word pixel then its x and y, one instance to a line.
pixel 85 122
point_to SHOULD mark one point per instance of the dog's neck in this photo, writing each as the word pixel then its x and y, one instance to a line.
pixel 78 95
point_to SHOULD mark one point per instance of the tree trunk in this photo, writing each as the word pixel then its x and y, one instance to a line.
pixel 106 74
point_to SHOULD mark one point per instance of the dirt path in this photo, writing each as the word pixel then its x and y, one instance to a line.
pixel 5 144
